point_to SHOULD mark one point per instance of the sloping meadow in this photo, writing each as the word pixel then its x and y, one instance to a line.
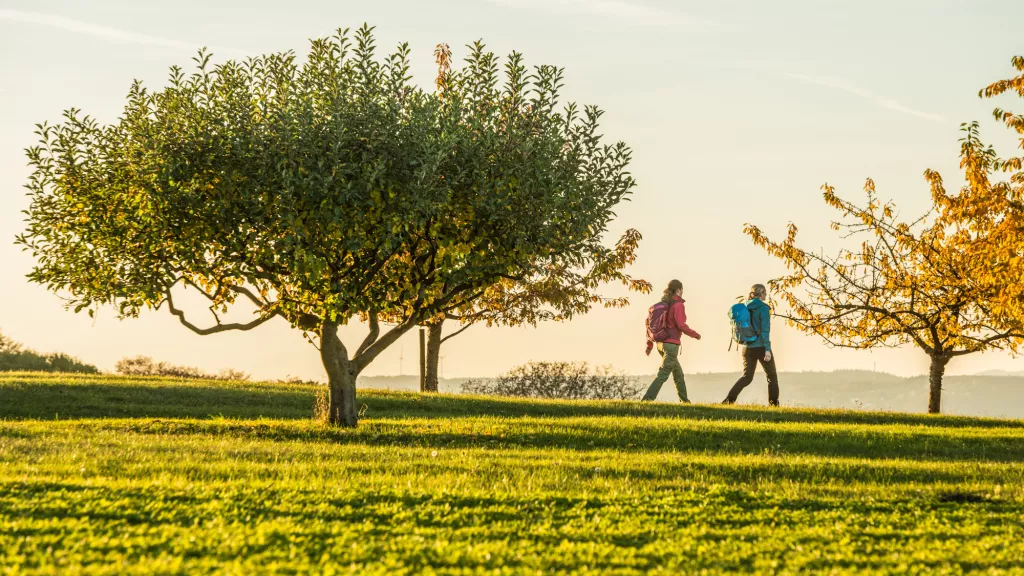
pixel 118 476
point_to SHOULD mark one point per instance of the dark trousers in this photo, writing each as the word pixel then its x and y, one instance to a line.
pixel 751 357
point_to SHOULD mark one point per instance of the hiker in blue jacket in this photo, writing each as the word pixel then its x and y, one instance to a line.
pixel 759 350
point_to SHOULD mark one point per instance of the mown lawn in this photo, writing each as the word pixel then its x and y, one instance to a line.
pixel 118 476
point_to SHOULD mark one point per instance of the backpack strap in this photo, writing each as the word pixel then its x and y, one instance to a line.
pixel 752 323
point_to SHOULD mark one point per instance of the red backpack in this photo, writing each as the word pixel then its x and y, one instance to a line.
pixel 657 321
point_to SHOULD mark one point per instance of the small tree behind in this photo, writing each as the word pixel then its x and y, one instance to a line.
pixel 558 292
pixel 558 284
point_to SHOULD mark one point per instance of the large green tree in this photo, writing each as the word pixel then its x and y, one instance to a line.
pixel 321 192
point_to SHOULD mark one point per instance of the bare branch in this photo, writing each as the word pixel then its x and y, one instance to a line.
pixel 457 332
pixel 219 327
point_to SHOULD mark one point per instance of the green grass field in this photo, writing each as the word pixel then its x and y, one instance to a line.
pixel 113 475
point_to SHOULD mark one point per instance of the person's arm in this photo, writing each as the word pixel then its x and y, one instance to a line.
pixel 679 318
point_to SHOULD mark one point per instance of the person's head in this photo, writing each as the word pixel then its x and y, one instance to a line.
pixel 758 291
pixel 675 288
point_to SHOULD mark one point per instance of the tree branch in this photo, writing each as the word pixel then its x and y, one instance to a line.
pixel 457 332
pixel 260 303
pixel 219 327
pixel 372 336
pixel 983 343
pixel 363 359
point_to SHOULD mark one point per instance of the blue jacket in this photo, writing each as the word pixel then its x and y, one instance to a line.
pixel 760 321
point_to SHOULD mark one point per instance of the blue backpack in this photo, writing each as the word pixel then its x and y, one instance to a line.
pixel 743 332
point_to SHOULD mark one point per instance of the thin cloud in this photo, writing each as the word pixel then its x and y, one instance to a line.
pixel 80 27
pixel 889 103
pixel 622 10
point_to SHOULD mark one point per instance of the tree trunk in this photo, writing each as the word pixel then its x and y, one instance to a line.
pixel 938 368
pixel 433 356
pixel 341 376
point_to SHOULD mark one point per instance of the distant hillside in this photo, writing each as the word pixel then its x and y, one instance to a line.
pixel 1000 373
pixel 978 395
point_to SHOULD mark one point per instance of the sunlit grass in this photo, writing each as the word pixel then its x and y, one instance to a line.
pixel 114 475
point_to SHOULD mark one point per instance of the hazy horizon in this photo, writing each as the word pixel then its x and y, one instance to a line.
pixel 989 396
pixel 736 112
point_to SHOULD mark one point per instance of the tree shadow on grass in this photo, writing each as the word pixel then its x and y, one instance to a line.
pixel 387 404
pixel 74 401
pixel 35 398
pixel 690 440
pixel 709 437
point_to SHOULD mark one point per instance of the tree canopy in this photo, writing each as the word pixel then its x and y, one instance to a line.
pixel 322 191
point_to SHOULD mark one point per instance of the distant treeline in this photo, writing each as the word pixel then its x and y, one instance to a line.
pixel 15 357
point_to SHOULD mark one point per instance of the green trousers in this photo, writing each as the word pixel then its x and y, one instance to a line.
pixel 669 365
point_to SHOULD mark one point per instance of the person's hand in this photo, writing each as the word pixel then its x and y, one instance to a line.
pixel 697 336
pixel 768 356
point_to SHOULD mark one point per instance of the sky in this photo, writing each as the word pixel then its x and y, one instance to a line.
pixel 737 112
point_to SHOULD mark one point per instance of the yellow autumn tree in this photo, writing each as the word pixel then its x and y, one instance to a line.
pixel 989 208
pixel 950 282
pixel 904 283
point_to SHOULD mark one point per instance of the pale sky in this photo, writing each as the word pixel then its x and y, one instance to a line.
pixel 737 111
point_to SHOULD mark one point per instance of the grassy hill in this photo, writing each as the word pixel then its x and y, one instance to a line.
pixel 114 475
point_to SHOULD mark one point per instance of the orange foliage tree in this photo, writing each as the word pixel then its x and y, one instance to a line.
pixel 905 283
pixel 950 282
pixel 989 210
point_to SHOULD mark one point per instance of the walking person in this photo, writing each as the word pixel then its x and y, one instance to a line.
pixel 759 348
pixel 666 323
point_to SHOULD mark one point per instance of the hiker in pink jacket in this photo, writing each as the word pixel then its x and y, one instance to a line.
pixel 670 326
